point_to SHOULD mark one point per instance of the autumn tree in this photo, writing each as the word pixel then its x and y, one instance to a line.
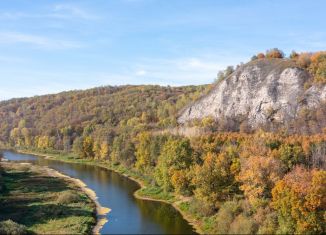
pixel 291 155
pixel 97 150
pixel 88 147
pixel 176 154
pixel 300 200
pixel 294 55
pixel 104 150
pixel 318 66
pixel 261 56
pixel 274 53
pixel 258 176
pixel 143 154
pixel 304 60
pixel 214 180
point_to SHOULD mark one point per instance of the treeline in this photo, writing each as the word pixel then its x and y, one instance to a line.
pixel 313 62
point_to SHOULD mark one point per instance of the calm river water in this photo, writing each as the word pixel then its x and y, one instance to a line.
pixel 128 215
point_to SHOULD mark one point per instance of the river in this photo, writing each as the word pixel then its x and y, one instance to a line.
pixel 128 214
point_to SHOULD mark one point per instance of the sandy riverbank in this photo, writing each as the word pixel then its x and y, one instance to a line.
pixel 101 212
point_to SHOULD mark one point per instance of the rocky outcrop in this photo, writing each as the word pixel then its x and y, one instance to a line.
pixel 260 92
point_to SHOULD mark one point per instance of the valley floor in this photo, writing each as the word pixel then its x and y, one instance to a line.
pixel 146 191
pixel 37 200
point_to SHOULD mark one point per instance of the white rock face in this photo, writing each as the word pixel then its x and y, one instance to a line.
pixel 261 91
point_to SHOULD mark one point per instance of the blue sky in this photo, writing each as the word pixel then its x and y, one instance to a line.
pixel 48 46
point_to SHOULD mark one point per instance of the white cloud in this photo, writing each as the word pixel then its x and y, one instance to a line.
pixel 39 41
pixel 180 71
pixel 141 72
pixel 59 11
pixel 71 11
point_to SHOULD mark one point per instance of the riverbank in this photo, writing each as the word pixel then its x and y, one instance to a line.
pixel 145 192
pixel 100 211
pixel 42 200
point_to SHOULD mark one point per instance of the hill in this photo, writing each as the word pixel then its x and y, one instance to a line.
pixel 103 112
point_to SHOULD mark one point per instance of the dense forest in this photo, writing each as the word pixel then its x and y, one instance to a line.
pixel 236 182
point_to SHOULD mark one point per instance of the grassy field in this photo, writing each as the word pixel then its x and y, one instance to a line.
pixel 42 203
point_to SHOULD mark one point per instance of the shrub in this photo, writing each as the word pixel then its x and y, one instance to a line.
pixel 68 197
pixel 304 60
pixel 269 225
pixel 12 228
pixel 294 55
pixel 225 216
pixel 242 225
pixel 274 53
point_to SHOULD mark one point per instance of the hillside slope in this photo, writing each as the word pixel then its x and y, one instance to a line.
pixel 260 93
pixel 103 112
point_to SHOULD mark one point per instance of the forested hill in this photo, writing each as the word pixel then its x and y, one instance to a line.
pixel 57 120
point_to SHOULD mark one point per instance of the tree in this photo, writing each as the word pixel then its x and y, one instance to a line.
pixel 228 71
pixel 294 55
pixel 26 134
pixel 318 66
pixel 299 199
pixel 143 151
pixel 274 53
pixel 260 55
pixel 97 150
pixel 214 180
pixel 254 57
pixel 176 154
pixel 291 155
pixel 16 137
pixel 180 181
pixel 88 147
pixel 258 176
pixel 104 150
pixel 77 146
pixel 304 60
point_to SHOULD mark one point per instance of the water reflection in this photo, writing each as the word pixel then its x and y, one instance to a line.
pixel 128 215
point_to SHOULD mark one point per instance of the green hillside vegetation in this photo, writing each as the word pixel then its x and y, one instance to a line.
pixel 233 182
pixel 33 202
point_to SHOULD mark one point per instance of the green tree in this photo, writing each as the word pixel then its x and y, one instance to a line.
pixel 88 147
pixel 104 150
pixel 176 154
pixel 143 151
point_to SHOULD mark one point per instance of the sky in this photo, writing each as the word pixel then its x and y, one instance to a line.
pixel 48 46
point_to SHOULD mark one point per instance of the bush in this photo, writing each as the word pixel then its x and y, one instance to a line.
pixel 274 53
pixel 242 225
pixel 12 228
pixel 269 225
pixel 68 197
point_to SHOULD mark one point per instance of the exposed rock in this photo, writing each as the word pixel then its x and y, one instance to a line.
pixel 260 92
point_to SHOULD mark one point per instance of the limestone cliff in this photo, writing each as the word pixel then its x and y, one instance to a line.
pixel 260 92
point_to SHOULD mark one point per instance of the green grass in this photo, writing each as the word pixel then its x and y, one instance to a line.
pixel 184 206
pixel 156 193
pixel 31 199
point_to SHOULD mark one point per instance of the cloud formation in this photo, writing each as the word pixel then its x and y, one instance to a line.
pixel 39 41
